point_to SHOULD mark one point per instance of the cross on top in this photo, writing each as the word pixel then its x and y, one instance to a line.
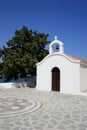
pixel 55 37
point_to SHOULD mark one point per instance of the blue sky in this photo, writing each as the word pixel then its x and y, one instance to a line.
pixel 65 18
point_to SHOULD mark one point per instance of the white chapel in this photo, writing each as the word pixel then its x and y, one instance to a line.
pixel 61 72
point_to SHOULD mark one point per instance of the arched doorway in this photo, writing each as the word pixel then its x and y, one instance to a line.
pixel 55 79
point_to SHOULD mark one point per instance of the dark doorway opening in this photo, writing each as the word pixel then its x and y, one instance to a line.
pixel 55 79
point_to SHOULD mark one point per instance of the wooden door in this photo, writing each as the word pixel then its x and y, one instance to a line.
pixel 56 79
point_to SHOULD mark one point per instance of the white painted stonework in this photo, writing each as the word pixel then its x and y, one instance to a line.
pixel 73 71
pixel 13 85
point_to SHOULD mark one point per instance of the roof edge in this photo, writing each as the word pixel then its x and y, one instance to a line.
pixel 64 55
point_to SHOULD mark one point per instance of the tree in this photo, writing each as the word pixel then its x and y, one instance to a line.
pixel 22 53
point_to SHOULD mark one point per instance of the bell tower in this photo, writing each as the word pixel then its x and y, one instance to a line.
pixel 56 46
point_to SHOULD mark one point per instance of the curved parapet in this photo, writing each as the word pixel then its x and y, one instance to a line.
pixel 54 54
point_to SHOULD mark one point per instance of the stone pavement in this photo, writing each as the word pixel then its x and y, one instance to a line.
pixel 28 109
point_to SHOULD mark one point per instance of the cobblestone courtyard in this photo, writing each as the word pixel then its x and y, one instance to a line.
pixel 28 109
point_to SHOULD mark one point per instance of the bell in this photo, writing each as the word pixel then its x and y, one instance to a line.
pixel 57 47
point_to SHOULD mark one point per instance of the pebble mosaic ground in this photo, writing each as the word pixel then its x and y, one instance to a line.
pixel 15 106
pixel 29 109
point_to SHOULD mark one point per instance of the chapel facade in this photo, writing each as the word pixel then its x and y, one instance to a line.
pixel 61 72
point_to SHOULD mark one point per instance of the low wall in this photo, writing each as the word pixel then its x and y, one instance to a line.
pixel 17 85
pixel 6 85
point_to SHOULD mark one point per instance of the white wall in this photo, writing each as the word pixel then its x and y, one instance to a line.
pixel 6 85
pixel 69 73
pixel 13 85
pixel 83 78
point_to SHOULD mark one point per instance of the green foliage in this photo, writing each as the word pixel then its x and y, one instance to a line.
pixel 22 53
